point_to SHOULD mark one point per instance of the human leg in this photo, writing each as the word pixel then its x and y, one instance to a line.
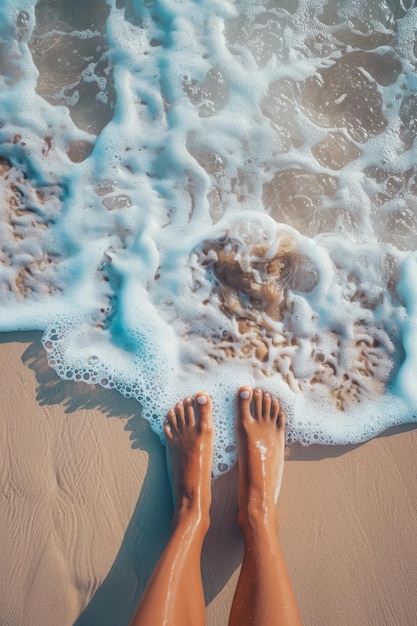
pixel 174 594
pixel 264 595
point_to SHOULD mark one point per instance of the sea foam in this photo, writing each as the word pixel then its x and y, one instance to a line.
pixel 203 195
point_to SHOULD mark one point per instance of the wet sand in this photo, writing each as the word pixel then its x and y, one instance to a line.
pixel 85 512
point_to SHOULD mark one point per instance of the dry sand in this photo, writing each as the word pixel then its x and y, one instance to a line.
pixel 85 512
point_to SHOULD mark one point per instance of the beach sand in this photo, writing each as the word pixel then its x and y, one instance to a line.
pixel 85 512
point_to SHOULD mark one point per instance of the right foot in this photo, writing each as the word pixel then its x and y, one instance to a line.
pixel 188 430
pixel 260 436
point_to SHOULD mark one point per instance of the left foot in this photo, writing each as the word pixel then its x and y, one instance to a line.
pixel 188 430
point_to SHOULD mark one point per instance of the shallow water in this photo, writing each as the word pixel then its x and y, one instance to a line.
pixel 200 195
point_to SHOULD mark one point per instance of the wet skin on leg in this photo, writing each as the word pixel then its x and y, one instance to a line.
pixel 264 595
pixel 174 594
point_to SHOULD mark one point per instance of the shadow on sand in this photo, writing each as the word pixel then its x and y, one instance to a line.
pixel 149 529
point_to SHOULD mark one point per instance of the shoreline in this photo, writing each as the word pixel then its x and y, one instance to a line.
pixel 86 511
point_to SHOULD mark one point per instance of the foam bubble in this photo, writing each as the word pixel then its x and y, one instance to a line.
pixel 196 197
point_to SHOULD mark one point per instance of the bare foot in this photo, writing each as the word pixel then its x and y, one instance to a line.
pixel 188 430
pixel 261 447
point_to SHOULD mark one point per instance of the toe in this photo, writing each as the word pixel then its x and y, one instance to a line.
pixel 203 402
pixel 168 430
pixel 189 411
pixel 171 424
pixel 258 402
pixel 275 409
pixel 266 406
pixel 172 418
pixel 180 413
pixel 243 400
pixel 282 417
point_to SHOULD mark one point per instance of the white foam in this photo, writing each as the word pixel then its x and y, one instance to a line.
pixel 244 218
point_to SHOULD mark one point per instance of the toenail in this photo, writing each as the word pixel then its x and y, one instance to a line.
pixel 202 400
pixel 244 394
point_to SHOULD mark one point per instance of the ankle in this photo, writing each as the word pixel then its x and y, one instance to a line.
pixel 258 517
pixel 189 514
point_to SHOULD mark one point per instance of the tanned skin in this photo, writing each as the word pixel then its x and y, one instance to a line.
pixel 264 595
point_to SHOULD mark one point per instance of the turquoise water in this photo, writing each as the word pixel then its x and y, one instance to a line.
pixel 197 195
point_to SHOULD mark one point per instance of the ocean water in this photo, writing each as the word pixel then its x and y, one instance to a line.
pixel 197 195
